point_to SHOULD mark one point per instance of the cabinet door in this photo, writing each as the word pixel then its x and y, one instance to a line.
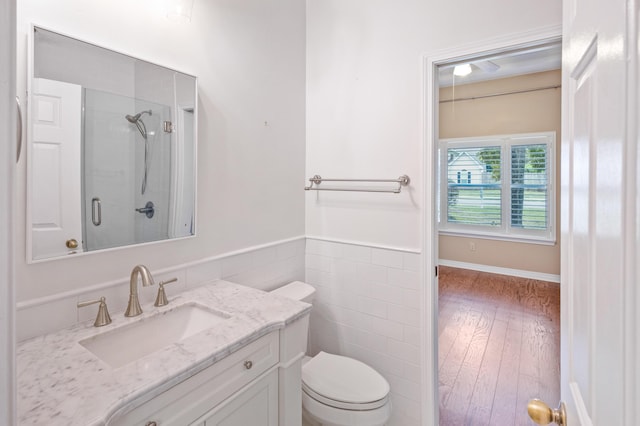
pixel 255 406
pixel 198 396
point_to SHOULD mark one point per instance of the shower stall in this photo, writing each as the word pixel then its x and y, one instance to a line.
pixel 127 170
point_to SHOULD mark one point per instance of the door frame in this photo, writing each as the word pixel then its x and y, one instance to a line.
pixel 8 166
pixel 429 261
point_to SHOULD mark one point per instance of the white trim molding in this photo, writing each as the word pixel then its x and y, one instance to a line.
pixel 364 244
pixel 107 284
pixel 540 276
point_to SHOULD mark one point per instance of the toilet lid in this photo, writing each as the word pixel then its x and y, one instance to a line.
pixel 343 379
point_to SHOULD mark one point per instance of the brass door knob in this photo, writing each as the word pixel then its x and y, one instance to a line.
pixel 72 244
pixel 542 414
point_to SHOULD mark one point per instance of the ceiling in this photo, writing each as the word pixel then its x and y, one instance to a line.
pixel 522 61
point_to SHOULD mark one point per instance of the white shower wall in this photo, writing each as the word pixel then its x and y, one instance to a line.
pixel 108 172
pixel 159 171
pixel 367 307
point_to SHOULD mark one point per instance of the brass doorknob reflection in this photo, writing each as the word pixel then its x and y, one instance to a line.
pixel 541 414
pixel 72 244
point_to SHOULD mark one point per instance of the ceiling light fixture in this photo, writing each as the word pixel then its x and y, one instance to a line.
pixel 486 66
pixel 180 10
pixel 462 70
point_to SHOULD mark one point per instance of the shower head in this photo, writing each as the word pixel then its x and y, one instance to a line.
pixel 134 118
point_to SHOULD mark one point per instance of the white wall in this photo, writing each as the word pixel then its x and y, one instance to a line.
pixel 365 118
pixel 364 101
pixel 249 56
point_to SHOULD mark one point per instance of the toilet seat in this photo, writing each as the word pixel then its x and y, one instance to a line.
pixel 344 405
pixel 320 413
pixel 344 383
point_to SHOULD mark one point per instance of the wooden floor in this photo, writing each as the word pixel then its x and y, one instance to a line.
pixel 499 346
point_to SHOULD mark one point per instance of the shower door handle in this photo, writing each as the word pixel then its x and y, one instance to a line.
pixel 96 211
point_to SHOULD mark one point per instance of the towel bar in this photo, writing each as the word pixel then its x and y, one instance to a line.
pixel 403 180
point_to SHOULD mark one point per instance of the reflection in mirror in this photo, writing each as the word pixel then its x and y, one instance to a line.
pixel 112 149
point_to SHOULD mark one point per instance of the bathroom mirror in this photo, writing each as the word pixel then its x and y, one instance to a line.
pixel 111 149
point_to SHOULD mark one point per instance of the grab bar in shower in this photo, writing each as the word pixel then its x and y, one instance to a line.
pixel 317 180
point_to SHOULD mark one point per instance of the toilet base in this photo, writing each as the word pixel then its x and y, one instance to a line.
pixel 308 421
pixel 317 414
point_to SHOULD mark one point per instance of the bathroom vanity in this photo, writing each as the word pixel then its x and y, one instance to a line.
pixel 244 369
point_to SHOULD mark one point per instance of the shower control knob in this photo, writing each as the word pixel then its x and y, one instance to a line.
pixel 148 209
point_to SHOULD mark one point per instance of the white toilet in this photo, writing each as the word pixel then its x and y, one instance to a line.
pixel 337 390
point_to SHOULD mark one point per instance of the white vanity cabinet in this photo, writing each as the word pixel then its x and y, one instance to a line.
pixel 257 385
pixel 242 385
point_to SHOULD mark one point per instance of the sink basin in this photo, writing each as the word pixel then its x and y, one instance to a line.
pixel 128 343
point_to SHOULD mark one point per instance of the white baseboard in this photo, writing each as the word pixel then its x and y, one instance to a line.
pixel 501 271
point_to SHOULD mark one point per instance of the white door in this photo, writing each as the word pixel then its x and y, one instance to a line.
pixel 56 216
pixel 598 213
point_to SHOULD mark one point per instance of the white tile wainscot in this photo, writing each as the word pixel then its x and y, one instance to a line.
pixel 368 307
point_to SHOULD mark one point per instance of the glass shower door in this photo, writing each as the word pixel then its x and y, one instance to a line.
pixel 115 209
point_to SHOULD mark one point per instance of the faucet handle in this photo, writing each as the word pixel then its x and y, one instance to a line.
pixel 103 317
pixel 161 299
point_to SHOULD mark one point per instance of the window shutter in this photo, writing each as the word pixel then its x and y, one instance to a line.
pixel 529 187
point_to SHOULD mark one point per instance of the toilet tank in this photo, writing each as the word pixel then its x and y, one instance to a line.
pixel 296 290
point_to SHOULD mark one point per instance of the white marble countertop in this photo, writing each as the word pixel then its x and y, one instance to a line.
pixel 62 383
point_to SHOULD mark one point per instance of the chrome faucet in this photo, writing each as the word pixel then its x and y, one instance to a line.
pixel 134 309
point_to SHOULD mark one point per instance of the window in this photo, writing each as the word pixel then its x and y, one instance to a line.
pixel 498 186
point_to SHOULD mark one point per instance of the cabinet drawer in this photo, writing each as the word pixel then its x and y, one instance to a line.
pixel 256 406
pixel 190 399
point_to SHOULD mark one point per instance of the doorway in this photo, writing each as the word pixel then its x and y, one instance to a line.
pixel 496 156
pixel 499 346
